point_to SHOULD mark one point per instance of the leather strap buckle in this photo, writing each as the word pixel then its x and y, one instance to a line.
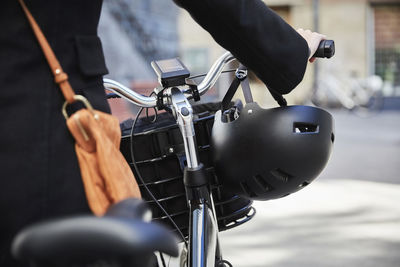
pixel 85 102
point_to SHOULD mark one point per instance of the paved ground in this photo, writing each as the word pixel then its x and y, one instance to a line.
pixel 366 148
pixel 350 216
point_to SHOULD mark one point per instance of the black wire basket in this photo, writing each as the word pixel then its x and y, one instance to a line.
pixel 159 153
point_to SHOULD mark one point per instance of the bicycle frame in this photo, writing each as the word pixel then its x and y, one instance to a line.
pixel 203 246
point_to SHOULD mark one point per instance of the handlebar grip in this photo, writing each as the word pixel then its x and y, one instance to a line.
pixel 325 49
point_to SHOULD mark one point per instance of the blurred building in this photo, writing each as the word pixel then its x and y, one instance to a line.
pixel 135 32
pixel 366 34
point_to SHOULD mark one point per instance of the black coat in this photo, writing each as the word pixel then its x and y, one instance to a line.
pixel 39 175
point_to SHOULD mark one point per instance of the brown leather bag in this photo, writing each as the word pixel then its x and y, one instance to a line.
pixel 106 175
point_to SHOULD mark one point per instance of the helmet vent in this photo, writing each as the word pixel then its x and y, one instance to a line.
pixel 281 175
pixel 262 183
pixel 305 128
pixel 247 190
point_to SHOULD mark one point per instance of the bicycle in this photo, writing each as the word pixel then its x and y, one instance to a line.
pixel 124 238
pixel 361 96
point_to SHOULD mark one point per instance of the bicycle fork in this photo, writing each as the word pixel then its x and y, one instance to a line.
pixel 203 228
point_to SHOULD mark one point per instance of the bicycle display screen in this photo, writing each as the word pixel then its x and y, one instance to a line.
pixel 170 72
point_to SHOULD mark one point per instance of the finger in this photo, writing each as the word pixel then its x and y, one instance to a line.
pixel 311 60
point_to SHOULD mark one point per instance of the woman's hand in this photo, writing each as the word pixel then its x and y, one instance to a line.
pixel 313 39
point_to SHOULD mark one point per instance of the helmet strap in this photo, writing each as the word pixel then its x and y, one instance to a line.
pixel 241 78
pixel 226 101
pixel 248 97
pixel 279 99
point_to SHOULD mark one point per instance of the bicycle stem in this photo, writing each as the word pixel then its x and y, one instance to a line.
pixel 183 113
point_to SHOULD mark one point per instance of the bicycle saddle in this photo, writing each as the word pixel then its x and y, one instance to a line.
pixel 86 239
pixel 132 208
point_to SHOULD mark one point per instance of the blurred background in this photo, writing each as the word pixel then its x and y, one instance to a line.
pixel 351 214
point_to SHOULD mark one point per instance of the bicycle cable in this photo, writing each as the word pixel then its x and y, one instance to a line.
pixel 143 182
pixel 162 259
pixel 222 263
pixel 155 112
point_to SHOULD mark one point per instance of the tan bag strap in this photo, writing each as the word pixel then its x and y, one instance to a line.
pixel 60 77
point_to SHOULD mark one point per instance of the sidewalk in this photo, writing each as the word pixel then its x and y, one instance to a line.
pixel 333 223
pixel 350 216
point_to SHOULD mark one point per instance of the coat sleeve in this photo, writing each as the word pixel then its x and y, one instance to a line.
pixel 255 35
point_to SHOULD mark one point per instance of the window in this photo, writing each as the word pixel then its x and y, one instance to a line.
pixel 387 43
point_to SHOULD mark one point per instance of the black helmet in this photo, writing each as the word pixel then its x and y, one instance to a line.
pixel 270 153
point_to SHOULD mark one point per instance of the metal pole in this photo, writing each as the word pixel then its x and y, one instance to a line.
pixel 315 7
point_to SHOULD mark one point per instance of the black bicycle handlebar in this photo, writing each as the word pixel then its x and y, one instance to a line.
pixel 325 49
